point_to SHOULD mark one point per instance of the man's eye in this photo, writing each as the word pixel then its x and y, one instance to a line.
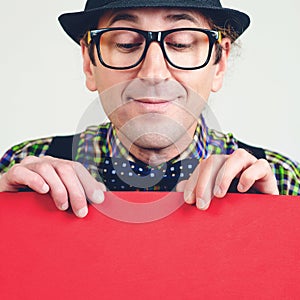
pixel 179 46
pixel 129 46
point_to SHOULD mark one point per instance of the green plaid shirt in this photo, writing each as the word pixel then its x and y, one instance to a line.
pixel 98 142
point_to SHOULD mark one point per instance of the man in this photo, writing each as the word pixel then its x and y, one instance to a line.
pixel 154 64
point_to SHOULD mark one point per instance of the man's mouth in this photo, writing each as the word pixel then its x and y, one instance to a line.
pixel 153 100
pixel 152 104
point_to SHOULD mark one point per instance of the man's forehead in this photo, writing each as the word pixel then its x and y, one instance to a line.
pixel 138 15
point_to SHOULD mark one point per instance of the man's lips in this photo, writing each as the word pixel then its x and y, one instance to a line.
pixel 152 100
pixel 152 104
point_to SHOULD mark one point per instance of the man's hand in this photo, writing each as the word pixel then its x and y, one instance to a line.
pixel 64 180
pixel 213 176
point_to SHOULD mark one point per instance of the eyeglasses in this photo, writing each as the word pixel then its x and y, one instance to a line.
pixel 124 48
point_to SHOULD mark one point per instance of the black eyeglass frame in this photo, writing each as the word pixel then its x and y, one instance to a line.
pixel 154 36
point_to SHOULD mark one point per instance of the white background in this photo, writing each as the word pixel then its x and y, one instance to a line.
pixel 42 83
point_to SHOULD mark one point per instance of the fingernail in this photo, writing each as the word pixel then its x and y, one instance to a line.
pixel 81 213
pixel 98 197
pixel 201 204
pixel 240 187
pixel 187 196
pixel 217 191
pixel 45 188
pixel 64 206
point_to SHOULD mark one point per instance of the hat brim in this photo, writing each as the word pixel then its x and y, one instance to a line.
pixel 76 24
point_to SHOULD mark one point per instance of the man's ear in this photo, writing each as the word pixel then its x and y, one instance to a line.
pixel 221 66
pixel 88 68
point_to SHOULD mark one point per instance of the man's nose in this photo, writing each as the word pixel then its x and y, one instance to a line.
pixel 154 66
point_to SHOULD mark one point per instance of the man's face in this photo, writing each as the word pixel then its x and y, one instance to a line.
pixel 154 105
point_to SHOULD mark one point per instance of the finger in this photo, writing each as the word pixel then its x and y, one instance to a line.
pixel 209 169
pixel 180 187
pixel 234 165
pixel 58 190
pixel 68 176
pixel 189 193
pixel 19 176
pixel 260 176
pixel 93 189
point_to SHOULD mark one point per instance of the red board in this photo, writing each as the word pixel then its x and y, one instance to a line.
pixel 243 247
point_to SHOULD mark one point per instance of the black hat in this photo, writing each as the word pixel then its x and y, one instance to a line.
pixel 76 24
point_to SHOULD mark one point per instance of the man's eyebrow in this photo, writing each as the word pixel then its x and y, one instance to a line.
pixel 178 17
pixel 123 16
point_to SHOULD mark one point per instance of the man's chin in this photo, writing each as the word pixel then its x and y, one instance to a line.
pixel 153 142
pixel 156 132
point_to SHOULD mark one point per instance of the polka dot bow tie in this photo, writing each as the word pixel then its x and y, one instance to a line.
pixel 119 174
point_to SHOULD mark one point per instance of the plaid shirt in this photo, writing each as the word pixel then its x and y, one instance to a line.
pixel 98 142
